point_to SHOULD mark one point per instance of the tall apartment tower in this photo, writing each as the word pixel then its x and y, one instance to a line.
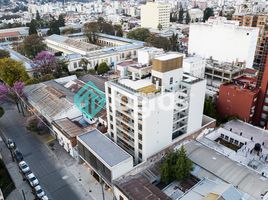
pixel 148 114
pixel 260 21
pixel 155 13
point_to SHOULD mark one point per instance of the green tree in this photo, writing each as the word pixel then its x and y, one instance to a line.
pixel 84 63
pixel 174 42
pixel 38 18
pixel 4 54
pixel 181 12
pixel 68 31
pixel 102 68
pixel 61 20
pixel 12 71
pixel 183 166
pixel 2 112
pixel 32 45
pixel 54 27
pixel 187 18
pixel 176 166
pixel 91 30
pixel 210 108
pixel 208 12
pixel 33 27
pixel 141 34
pixel 118 30
pixel 159 42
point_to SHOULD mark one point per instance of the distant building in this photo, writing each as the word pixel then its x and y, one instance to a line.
pixel 155 13
pixel 109 49
pixel 238 98
pixel 260 21
pixel 147 114
pixel 224 41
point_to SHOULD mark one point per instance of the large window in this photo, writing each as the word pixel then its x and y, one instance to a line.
pixel 91 159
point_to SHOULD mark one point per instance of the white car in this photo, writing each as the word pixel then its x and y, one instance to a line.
pixel 39 191
pixel 24 167
pixel 10 144
pixel 32 179
pixel 44 198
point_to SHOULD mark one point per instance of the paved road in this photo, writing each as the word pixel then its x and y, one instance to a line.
pixel 57 182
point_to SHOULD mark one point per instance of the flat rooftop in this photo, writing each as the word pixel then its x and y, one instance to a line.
pixel 109 151
pixel 136 85
pixel 168 56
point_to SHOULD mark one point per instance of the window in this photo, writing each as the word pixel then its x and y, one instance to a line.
pixel 111 118
pixel 112 134
pixel 110 100
pixel 75 65
pixel 140 127
pixel 171 80
pixel 140 155
pixel 140 146
pixel 140 136
pixel 109 90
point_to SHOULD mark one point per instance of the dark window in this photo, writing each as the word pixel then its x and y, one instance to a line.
pixel 140 136
pixel 109 90
pixel 140 146
pixel 140 127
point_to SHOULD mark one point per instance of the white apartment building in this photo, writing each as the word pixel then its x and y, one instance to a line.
pixel 194 66
pixel 224 41
pixel 155 13
pixel 146 115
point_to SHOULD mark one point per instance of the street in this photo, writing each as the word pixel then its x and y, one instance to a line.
pixel 57 182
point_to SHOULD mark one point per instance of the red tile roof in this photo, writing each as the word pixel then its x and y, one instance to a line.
pixel 9 34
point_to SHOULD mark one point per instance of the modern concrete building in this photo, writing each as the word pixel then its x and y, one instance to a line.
pixel 194 66
pixel 224 41
pixel 105 158
pixel 154 14
pixel 238 98
pixel 147 114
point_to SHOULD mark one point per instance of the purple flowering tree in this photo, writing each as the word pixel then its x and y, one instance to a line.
pixel 45 62
pixel 12 94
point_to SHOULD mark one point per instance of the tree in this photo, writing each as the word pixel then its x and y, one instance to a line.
pixel 45 63
pixel 118 30
pixel 33 27
pixel 12 94
pixel 2 112
pixel 208 12
pixel 210 108
pixel 183 166
pixel 61 20
pixel 32 45
pixel 176 166
pixel 141 34
pixel 181 12
pixel 4 54
pixel 12 71
pixel 84 63
pixel 174 42
pixel 159 27
pixel 54 27
pixel 38 18
pixel 159 42
pixel 103 68
pixel 68 31
pixel 91 30
pixel 187 18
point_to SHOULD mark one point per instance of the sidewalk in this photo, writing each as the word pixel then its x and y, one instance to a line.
pixel 81 172
pixel 17 178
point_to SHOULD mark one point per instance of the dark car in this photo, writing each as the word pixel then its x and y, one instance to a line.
pixel 18 155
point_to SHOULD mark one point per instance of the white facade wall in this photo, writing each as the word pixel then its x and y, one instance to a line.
pixel 64 142
pixel 153 14
pixel 194 66
pixel 196 105
pixel 223 42
pixel 145 55
pixel 165 77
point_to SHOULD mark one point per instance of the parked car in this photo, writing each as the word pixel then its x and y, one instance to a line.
pixel 24 167
pixel 18 155
pixel 32 179
pixel 44 198
pixel 10 144
pixel 39 191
